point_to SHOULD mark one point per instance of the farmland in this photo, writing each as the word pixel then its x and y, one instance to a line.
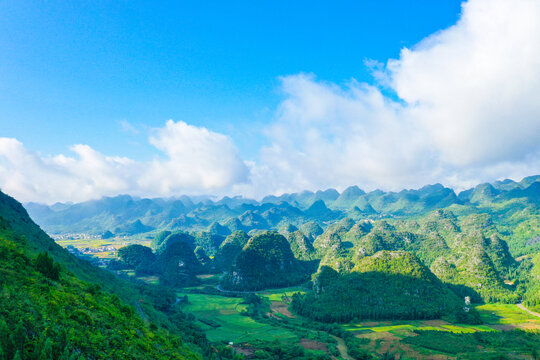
pixel 224 319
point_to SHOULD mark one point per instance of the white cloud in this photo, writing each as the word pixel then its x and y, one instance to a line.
pixel 468 111
pixel 195 160
pixel 127 127
pixel 465 109
pixel 475 85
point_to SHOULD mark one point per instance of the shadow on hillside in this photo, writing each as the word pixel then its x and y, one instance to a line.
pixel 463 291
pixel 378 296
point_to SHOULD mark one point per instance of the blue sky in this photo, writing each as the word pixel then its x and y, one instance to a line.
pixel 70 72
pixel 99 98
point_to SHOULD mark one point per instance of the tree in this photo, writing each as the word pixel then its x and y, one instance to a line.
pixel 134 255
pixel 45 265
pixel 46 351
pixel 19 336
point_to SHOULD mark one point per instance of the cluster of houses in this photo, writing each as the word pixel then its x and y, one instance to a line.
pixel 74 236
pixel 87 253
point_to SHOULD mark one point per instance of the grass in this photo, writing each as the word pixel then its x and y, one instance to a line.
pixel 209 279
pixel 96 243
pixel 220 318
pixel 391 326
pixel 491 314
pixel 277 295
pixel 226 323
pixel 149 279
pixel 505 314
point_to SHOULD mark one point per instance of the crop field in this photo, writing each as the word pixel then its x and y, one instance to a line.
pixel 492 316
pixel 507 316
pixel 280 294
pixel 438 325
pixel 97 243
pixel 221 319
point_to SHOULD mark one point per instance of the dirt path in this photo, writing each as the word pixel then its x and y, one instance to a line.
pixel 527 310
pixel 282 308
pixel 342 347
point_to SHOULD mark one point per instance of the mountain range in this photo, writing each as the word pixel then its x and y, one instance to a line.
pixel 124 215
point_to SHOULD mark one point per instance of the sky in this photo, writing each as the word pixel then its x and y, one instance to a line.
pixel 100 98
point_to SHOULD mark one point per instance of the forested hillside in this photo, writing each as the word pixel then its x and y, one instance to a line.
pixel 386 285
pixel 54 306
pixel 266 261
pixel 412 255
pixel 512 205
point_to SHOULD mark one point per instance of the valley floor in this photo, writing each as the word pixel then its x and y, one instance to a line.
pixel 225 319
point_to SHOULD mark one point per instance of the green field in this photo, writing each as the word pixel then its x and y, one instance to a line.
pixel 277 295
pixel 438 325
pixel 96 243
pixel 491 315
pixel 506 314
pixel 220 317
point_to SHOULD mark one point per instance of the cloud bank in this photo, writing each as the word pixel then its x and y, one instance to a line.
pixel 195 160
pixel 464 108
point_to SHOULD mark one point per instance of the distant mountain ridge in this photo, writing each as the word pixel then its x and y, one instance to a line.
pixel 126 215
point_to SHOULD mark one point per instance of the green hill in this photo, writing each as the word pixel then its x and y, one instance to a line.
pixel 387 285
pixel 132 228
pixel 531 297
pixel 176 262
pixel 301 246
pixel 48 312
pixel 265 262
pixel 230 248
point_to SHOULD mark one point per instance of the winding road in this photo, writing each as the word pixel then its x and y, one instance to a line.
pixel 522 307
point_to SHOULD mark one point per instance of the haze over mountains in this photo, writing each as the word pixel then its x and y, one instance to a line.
pixel 124 215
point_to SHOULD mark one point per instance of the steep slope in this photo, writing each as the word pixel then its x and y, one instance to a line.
pixel 319 211
pixel 132 228
pixel 48 312
pixel 301 246
pixel 265 262
pixel 348 197
pixel 470 266
pixel 408 202
pixel 229 250
pixel 176 261
pixel 387 285
pixel 311 229
pixel 324 207
pixel 532 294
